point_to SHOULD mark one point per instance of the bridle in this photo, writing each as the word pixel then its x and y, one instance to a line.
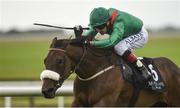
pixel 64 51
pixel 80 61
pixel 60 79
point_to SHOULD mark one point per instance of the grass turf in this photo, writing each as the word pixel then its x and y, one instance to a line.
pixel 23 60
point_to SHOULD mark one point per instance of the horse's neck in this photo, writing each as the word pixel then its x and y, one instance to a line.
pixel 93 61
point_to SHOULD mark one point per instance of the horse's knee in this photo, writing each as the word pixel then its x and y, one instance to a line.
pixel 100 104
pixel 76 103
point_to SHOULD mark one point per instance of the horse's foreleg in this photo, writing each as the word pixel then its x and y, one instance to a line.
pixel 108 100
pixel 105 102
pixel 80 100
pixel 76 103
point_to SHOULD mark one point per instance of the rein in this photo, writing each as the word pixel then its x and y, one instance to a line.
pixel 97 74
pixel 77 66
pixel 57 49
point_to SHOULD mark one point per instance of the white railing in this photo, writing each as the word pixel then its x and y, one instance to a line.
pixel 31 88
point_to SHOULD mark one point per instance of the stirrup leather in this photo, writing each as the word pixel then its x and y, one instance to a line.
pixel 143 69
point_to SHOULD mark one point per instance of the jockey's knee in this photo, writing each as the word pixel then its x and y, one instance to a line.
pixel 120 49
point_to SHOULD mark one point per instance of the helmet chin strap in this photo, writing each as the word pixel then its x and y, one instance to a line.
pixel 108 26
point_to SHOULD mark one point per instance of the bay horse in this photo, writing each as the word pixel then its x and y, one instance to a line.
pixel 99 81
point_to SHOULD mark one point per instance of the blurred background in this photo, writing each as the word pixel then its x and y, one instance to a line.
pixel 23 46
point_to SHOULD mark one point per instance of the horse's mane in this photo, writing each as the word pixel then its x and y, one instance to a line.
pixel 60 43
pixel 63 43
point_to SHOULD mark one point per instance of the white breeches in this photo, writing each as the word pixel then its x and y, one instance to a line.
pixel 132 42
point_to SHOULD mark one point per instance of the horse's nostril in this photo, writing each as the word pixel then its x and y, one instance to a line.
pixel 46 92
pixel 50 89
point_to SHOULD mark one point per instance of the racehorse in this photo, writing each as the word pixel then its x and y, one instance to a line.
pixel 99 80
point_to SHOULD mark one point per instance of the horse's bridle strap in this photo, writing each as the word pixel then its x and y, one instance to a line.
pixel 57 49
pixel 97 74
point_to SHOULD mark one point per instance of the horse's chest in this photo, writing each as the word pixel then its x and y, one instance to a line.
pixel 98 90
pixel 93 94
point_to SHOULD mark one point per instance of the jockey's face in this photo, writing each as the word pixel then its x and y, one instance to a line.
pixel 102 29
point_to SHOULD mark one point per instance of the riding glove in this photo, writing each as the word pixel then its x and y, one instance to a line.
pixel 78 30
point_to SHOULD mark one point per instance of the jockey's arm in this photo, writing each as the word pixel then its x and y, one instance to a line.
pixel 90 33
pixel 115 37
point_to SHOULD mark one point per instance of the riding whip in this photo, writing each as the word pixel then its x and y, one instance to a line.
pixel 70 28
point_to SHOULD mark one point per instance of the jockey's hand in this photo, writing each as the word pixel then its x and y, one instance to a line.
pixel 78 30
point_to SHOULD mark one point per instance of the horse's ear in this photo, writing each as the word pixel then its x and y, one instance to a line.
pixel 53 42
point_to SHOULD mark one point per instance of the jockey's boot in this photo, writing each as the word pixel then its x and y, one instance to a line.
pixel 132 60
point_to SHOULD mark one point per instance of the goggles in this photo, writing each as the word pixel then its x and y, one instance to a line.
pixel 101 26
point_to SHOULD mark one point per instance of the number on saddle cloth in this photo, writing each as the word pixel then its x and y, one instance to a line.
pixel 155 84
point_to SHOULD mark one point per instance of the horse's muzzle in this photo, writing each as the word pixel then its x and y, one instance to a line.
pixel 49 93
pixel 49 88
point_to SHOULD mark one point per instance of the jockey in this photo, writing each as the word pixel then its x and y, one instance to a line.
pixel 126 33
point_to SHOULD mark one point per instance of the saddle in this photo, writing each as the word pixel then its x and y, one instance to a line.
pixel 130 74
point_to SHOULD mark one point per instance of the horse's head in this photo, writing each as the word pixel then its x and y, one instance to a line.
pixel 64 57
pixel 58 68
